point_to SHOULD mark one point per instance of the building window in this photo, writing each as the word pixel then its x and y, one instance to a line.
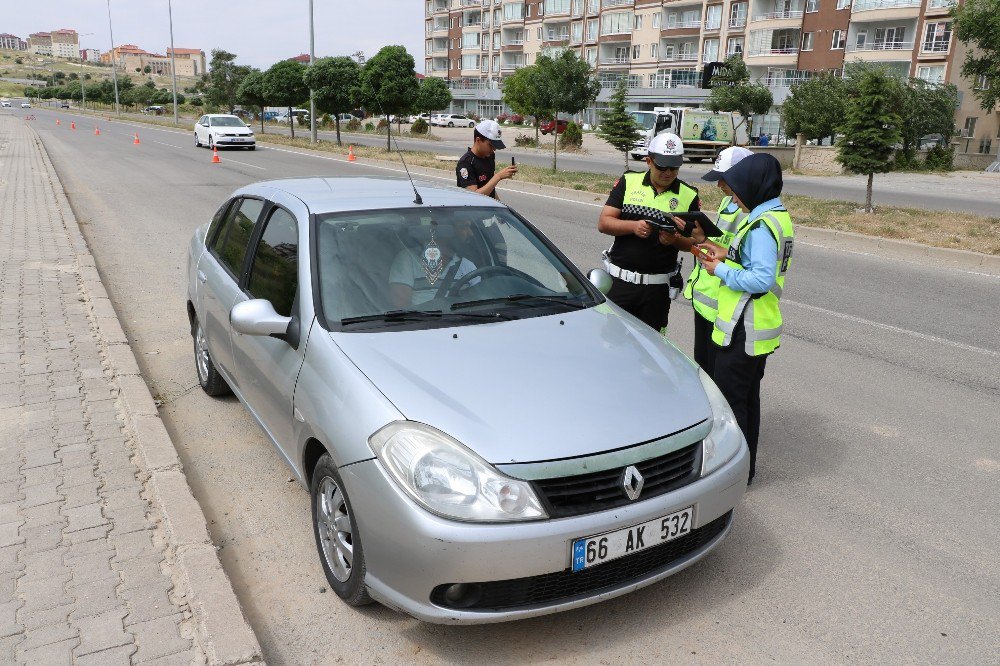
pixel 591 30
pixel 654 51
pixel 982 83
pixel 577 32
pixel 636 51
pixel 931 73
pixel 593 6
pixel 539 34
pixel 812 6
pixel 839 39
pixel 710 50
pixel 617 23
pixel 591 56
pixel 496 40
pixel 970 126
pixel 807 41
pixel 496 63
pixel 860 40
pixel 937 37
pixel 713 17
pixel 940 4
pixel 985 146
pixel 843 4
pixel 657 17
pixel 470 62
pixel 734 46
pixel 638 21
pixel 737 15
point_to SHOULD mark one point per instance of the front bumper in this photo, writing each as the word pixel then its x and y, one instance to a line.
pixel 235 141
pixel 409 551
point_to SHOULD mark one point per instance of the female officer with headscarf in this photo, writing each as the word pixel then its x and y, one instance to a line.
pixel 752 275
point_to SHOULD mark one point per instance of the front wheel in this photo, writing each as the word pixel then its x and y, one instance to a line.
pixel 336 531
pixel 252 147
pixel 197 141
pixel 211 381
pixel 451 124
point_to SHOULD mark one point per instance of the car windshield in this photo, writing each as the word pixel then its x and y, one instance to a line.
pixel 460 264
pixel 227 121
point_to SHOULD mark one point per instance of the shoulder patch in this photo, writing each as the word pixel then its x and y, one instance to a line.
pixel 463 172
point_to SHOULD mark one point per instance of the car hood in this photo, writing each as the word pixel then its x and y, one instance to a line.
pixel 536 389
pixel 241 131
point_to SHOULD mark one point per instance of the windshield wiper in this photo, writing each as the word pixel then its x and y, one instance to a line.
pixel 568 301
pixel 419 315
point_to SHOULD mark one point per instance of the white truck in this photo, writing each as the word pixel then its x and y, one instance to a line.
pixel 704 133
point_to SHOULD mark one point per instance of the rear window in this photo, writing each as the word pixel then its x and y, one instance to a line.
pixel 230 245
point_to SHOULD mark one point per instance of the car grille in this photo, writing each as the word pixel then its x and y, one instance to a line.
pixel 586 493
pixel 565 585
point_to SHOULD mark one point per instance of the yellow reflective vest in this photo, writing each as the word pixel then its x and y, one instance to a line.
pixel 761 312
pixel 702 288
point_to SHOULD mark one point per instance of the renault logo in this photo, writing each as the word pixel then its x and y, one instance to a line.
pixel 632 482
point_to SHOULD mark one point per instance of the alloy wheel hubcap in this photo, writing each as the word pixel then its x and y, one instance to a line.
pixel 334 524
pixel 201 354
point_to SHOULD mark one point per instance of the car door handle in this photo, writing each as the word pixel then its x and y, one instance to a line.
pixel 202 277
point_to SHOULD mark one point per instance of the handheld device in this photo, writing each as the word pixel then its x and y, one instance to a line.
pixel 704 221
pixel 512 162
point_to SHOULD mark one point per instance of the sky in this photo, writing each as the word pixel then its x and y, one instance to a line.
pixel 259 32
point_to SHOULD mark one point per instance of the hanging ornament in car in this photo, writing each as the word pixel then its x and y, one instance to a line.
pixel 432 260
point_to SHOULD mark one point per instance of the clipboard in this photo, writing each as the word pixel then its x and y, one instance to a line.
pixel 704 221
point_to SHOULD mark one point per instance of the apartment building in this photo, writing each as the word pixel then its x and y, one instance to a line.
pixel 91 55
pixel 661 46
pixel 12 42
pixel 190 62
pixel 40 43
pixel 65 43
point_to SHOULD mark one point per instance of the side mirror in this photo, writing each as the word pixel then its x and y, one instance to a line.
pixel 257 317
pixel 601 279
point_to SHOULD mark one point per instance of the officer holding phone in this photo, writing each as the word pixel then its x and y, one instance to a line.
pixel 642 260
pixel 751 276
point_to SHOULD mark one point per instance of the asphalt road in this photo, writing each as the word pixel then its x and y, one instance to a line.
pixel 869 536
pixel 969 192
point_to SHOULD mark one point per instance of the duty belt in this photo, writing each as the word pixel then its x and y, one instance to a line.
pixel 635 277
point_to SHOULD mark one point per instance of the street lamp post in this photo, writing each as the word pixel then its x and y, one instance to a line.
pixel 173 67
pixel 312 58
pixel 114 68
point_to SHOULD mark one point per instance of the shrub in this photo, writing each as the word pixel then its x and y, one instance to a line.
pixel 369 127
pixel 196 101
pixel 353 125
pixel 516 119
pixel 419 126
pixel 525 141
pixel 382 123
pixel 940 158
pixel 502 118
pixel 325 120
pixel 572 137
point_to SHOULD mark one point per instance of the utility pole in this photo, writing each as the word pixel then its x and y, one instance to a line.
pixel 83 81
pixel 114 67
pixel 173 65
pixel 312 59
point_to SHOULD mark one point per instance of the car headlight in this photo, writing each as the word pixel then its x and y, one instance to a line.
pixel 448 479
pixel 725 438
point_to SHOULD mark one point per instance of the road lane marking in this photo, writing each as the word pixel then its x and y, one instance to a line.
pixel 894 329
pixel 252 166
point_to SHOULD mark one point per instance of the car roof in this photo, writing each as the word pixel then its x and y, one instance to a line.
pixel 218 115
pixel 328 195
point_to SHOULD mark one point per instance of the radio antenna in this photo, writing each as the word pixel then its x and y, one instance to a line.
pixel 388 128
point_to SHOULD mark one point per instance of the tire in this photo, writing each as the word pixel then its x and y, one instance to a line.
pixel 211 142
pixel 211 381
pixel 252 147
pixel 451 124
pixel 197 141
pixel 472 124
pixel 340 551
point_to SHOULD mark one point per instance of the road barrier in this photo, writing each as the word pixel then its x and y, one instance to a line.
pixel 215 155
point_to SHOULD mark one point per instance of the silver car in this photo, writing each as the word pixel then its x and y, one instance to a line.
pixel 484 436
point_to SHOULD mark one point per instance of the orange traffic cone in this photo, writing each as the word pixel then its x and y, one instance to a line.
pixel 136 142
pixel 72 124
pixel 215 155
pixel 350 154
pixel 97 131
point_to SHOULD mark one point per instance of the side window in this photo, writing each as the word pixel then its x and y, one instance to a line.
pixel 274 272
pixel 203 120
pixel 217 219
pixel 230 245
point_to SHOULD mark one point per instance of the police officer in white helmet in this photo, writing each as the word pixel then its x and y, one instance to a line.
pixel 642 260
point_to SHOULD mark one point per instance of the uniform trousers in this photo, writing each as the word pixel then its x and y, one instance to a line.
pixel 648 302
pixel 704 348
pixel 738 376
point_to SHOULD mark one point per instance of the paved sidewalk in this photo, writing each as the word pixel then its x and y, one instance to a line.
pixel 104 554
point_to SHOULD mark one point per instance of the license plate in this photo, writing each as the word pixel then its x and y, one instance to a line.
pixel 593 550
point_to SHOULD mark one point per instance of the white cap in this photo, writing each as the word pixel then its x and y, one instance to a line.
pixel 666 150
pixel 491 130
pixel 726 160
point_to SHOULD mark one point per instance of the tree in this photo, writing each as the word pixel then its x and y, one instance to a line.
pixel 871 124
pixel 521 92
pixel 335 83
pixel 927 108
pixel 733 91
pixel 977 24
pixel 251 93
pixel 433 95
pixel 567 85
pixel 617 126
pixel 284 85
pixel 147 69
pixel 389 84
pixel 815 107
pixel 223 79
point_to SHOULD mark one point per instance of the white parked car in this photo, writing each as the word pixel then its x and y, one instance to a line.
pixel 24 105
pixel 453 120
pixel 5 104
pixel 297 113
pixel 222 129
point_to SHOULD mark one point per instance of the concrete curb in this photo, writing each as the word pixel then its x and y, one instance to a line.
pixel 222 631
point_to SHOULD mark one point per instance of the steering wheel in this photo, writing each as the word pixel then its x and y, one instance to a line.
pixel 478 273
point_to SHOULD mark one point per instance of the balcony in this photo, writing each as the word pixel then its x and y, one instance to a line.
pixel 683 25
pixel 934 48
pixel 712 28
pixel 737 23
pixel 869 5
pixel 555 10
pixel 615 60
pixel 510 64
pixel 617 3
pixel 778 16
pixel 679 57
pixel 553 36
pixel 623 35
pixel 881 46
pixel 885 10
